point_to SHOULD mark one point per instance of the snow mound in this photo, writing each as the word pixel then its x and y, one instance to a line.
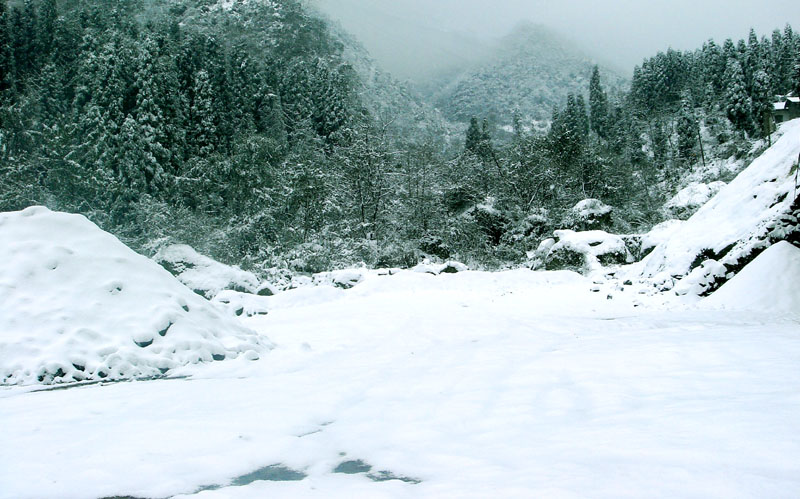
pixel 205 275
pixel 76 304
pixel 770 283
pixel 739 219
pixel 585 251
pixel 686 202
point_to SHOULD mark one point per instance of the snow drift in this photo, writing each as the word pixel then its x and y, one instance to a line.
pixel 77 304
pixel 738 220
pixel 768 284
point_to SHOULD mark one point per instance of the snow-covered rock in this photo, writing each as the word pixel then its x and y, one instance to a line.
pixel 77 304
pixel 586 251
pixel 205 275
pixel 344 279
pixel 739 220
pixel 589 214
pixel 686 202
pixel 770 283
pixel 452 267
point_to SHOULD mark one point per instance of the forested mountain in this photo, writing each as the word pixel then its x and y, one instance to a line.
pixel 530 71
pixel 258 134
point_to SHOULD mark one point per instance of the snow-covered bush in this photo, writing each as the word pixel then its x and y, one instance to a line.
pixel 77 304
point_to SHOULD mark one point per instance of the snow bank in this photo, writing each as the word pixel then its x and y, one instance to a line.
pixel 686 202
pixel 770 283
pixel 205 275
pixel 739 218
pixel 77 304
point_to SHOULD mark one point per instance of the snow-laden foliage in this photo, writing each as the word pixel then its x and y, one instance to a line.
pixel 76 304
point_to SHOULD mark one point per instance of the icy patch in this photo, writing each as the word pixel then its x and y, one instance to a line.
pixel 770 283
pixel 76 304
pixel 205 275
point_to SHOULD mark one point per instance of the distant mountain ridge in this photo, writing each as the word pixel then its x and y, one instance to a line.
pixel 532 70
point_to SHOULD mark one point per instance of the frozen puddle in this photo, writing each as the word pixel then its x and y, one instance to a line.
pixel 358 466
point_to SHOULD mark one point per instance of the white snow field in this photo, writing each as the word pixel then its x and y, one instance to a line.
pixel 511 384
pixel 408 384
pixel 76 304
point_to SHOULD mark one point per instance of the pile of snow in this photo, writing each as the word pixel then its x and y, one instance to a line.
pixel 205 275
pixel 686 202
pixel 739 219
pixel 77 304
pixel 584 251
pixel 770 283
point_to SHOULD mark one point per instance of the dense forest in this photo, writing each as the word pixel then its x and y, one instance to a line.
pixel 242 129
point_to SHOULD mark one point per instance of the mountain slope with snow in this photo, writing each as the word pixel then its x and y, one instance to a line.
pixel 76 304
pixel 738 220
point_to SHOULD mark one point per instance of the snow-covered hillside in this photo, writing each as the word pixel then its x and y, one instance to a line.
pixel 76 304
pixel 737 221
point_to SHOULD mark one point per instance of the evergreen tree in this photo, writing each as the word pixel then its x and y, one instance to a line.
pixel 762 102
pixel 46 28
pixel 474 137
pixel 6 51
pixel 738 102
pixel 598 105
pixel 687 130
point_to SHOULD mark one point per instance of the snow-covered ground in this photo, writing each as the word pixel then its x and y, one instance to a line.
pixel 512 384
pixel 430 382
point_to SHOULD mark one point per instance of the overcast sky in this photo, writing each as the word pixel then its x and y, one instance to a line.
pixel 619 31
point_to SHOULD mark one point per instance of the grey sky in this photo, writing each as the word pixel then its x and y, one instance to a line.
pixel 620 31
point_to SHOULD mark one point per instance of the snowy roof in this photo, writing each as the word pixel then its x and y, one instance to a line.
pixel 779 106
pixel 796 100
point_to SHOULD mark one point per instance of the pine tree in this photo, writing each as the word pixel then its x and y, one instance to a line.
pixel 474 137
pixel 6 50
pixel 762 102
pixel 46 28
pixel 738 102
pixel 204 131
pixel 150 120
pixel 598 105
pixel 687 129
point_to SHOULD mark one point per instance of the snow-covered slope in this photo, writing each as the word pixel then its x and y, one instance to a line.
pixel 737 220
pixel 77 304
pixel 770 283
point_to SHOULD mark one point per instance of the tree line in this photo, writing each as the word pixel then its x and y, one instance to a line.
pixel 244 132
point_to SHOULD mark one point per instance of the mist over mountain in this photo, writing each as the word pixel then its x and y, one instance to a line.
pixel 531 70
